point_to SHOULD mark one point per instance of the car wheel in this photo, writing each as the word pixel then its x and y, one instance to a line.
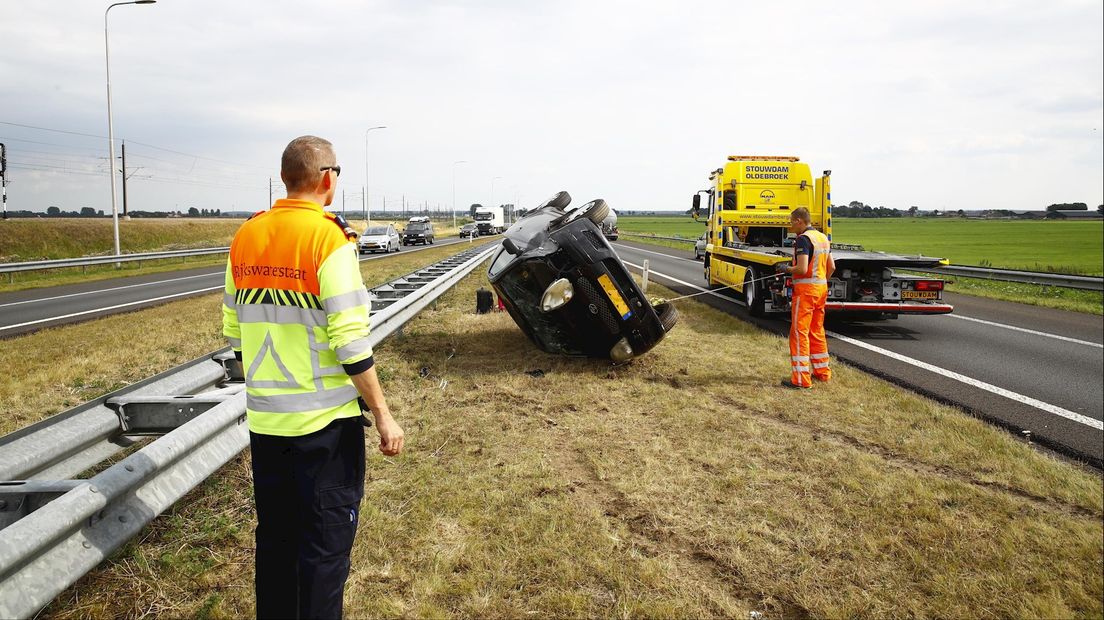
pixel 559 200
pixel 668 315
pixel 753 294
pixel 595 211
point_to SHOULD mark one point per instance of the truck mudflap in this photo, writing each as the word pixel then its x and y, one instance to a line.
pixel 888 308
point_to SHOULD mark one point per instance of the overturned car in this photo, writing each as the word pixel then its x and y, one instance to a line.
pixel 568 291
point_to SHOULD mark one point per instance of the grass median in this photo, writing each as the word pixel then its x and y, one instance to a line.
pixel 684 484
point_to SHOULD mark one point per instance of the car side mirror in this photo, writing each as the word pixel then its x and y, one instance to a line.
pixel 510 246
pixel 696 209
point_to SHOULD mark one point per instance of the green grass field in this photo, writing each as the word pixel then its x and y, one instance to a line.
pixel 1064 247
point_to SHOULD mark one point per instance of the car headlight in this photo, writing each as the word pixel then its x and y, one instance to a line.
pixel 622 351
pixel 557 294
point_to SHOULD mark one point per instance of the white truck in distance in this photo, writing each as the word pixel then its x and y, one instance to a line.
pixel 490 220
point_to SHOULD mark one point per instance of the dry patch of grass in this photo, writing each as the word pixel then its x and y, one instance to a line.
pixel 685 484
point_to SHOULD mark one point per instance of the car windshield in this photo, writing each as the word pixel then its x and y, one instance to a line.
pixel 376 230
pixel 501 260
pixel 416 227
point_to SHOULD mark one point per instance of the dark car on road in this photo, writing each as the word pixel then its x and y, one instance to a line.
pixel 469 231
pixel 418 232
pixel 568 291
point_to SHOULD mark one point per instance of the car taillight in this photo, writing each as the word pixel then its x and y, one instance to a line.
pixel 929 285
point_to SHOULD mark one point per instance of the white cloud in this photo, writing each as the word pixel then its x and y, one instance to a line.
pixel 935 103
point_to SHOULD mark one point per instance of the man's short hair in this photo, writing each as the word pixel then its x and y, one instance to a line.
pixel 300 166
pixel 801 213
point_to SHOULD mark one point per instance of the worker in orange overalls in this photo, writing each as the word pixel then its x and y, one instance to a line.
pixel 812 267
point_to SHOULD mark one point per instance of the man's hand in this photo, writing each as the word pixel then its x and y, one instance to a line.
pixel 391 434
pixel 781 268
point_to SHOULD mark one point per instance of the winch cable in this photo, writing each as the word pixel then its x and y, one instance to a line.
pixel 731 286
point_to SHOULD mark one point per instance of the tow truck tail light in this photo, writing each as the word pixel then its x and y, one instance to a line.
pixel 929 285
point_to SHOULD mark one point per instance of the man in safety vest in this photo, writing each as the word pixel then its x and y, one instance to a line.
pixel 811 268
pixel 296 313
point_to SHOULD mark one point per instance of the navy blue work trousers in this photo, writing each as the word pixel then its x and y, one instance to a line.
pixel 308 491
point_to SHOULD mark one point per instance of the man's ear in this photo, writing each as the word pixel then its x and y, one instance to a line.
pixel 327 182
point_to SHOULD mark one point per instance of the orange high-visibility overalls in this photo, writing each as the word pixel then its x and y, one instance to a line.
pixel 808 347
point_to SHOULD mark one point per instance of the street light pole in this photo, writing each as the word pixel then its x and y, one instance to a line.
pixel 367 209
pixel 110 124
pixel 460 161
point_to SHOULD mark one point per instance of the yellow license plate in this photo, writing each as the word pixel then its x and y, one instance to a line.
pixel 919 294
pixel 614 296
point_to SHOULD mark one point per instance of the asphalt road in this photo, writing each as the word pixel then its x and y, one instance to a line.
pixel 27 311
pixel 1023 367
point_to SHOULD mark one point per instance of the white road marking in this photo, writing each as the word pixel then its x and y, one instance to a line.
pixel 116 307
pixel 627 247
pixel 1027 331
pixel 988 387
pixel 105 290
pixel 950 374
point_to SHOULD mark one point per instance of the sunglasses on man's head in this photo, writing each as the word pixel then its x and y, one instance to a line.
pixel 336 169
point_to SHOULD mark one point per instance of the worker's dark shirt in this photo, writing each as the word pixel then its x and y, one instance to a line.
pixel 803 245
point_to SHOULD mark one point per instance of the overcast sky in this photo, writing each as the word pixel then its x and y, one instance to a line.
pixel 939 104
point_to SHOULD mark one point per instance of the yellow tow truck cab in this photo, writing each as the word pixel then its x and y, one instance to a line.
pixel 747 212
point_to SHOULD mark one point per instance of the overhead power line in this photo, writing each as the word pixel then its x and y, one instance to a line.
pixel 152 146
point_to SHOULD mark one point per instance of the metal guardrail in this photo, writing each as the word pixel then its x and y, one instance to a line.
pixel 1043 278
pixel 1087 283
pixel 88 261
pixel 55 528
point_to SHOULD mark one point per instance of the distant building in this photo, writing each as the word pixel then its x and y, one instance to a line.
pixel 1074 215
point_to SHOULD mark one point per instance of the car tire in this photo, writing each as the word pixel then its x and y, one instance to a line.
pixel 753 295
pixel 668 315
pixel 595 210
pixel 559 200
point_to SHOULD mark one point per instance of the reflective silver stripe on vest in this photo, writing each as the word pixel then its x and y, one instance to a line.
pixel 810 281
pixel 346 301
pixel 235 343
pixel 354 348
pixel 283 315
pixel 228 300
pixel 297 403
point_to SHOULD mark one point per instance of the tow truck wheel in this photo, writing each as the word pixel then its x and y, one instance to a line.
pixel 752 297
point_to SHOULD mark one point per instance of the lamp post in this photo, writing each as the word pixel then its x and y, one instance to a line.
pixel 459 161
pixel 367 210
pixel 110 124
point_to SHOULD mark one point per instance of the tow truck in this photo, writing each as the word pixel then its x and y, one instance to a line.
pixel 747 216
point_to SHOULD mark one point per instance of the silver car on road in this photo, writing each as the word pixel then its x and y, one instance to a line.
pixel 379 239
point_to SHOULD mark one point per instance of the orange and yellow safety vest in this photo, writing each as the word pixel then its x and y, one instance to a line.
pixel 818 262
pixel 296 310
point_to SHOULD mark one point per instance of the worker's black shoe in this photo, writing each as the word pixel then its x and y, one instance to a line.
pixel 789 384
